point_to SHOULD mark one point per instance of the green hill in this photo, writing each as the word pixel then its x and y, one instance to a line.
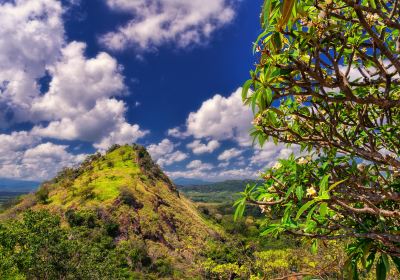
pixel 220 192
pixel 125 198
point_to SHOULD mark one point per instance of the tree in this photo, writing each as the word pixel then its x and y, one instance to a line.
pixel 327 79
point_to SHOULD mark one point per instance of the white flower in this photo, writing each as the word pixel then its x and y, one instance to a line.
pixel 302 161
pixel 264 208
pixel 277 165
pixel 311 192
pixel 361 167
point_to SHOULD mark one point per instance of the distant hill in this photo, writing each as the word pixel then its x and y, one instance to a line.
pixel 220 192
pixel 20 186
pixel 228 185
pixel 125 196
pixel 190 182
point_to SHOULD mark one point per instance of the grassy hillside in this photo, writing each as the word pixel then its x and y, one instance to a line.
pixel 124 196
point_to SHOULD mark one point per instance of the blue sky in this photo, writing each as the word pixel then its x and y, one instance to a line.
pixel 78 76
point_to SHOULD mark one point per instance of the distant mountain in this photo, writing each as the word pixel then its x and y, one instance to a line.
pixel 228 185
pixel 190 182
pixel 219 192
pixel 13 185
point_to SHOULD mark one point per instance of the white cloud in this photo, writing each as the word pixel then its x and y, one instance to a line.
pixel 31 36
pixel 199 148
pixel 199 165
pixel 225 174
pixel 77 83
pixel 22 156
pixel 124 133
pixel 229 154
pixel 164 153
pixel 80 101
pixel 79 104
pixel 172 158
pixel 177 133
pixel 270 153
pixel 222 118
pixel 11 145
pixel 158 150
pixel 158 22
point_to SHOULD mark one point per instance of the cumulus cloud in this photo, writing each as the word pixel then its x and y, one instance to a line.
pixel 164 153
pixel 229 154
pixel 31 36
pixel 270 153
pixel 177 133
pixel 222 118
pixel 23 156
pixel 124 133
pixel 199 148
pixel 225 174
pixel 78 83
pixel 158 22
pixel 199 165
pixel 158 150
pixel 80 103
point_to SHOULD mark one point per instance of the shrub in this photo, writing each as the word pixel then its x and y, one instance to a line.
pixel 42 194
pixel 127 197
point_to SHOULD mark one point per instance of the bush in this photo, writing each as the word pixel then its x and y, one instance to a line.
pixel 127 197
pixel 163 267
pixel 87 193
pixel 42 194
pixel 112 229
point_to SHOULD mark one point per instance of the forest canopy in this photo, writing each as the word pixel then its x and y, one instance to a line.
pixel 327 79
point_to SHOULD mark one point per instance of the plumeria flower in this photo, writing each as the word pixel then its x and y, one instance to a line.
pixel 257 121
pixel 302 161
pixel 267 176
pixel 264 209
pixel 361 167
pixel 277 165
pixel 311 192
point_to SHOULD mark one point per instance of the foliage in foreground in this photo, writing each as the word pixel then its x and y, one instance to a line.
pixel 328 79
pixel 39 247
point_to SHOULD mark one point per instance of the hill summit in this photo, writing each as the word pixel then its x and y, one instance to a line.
pixel 128 192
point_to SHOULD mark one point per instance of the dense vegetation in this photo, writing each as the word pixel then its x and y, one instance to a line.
pixel 327 78
pixel 117 216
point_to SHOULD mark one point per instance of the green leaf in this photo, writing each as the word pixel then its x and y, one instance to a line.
pixel 268 94
pixel 287 8
pixel 323 185
pixel 304 208
pixel 240 207
pixel 314 246
pixel 276 42
pixel 245 89
pixel 386 261
pixel 266 13
pixel 309 215
pixel 381 271
pixel 323 209
pixel 370 261
pixel 299 192
pixel 331 187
